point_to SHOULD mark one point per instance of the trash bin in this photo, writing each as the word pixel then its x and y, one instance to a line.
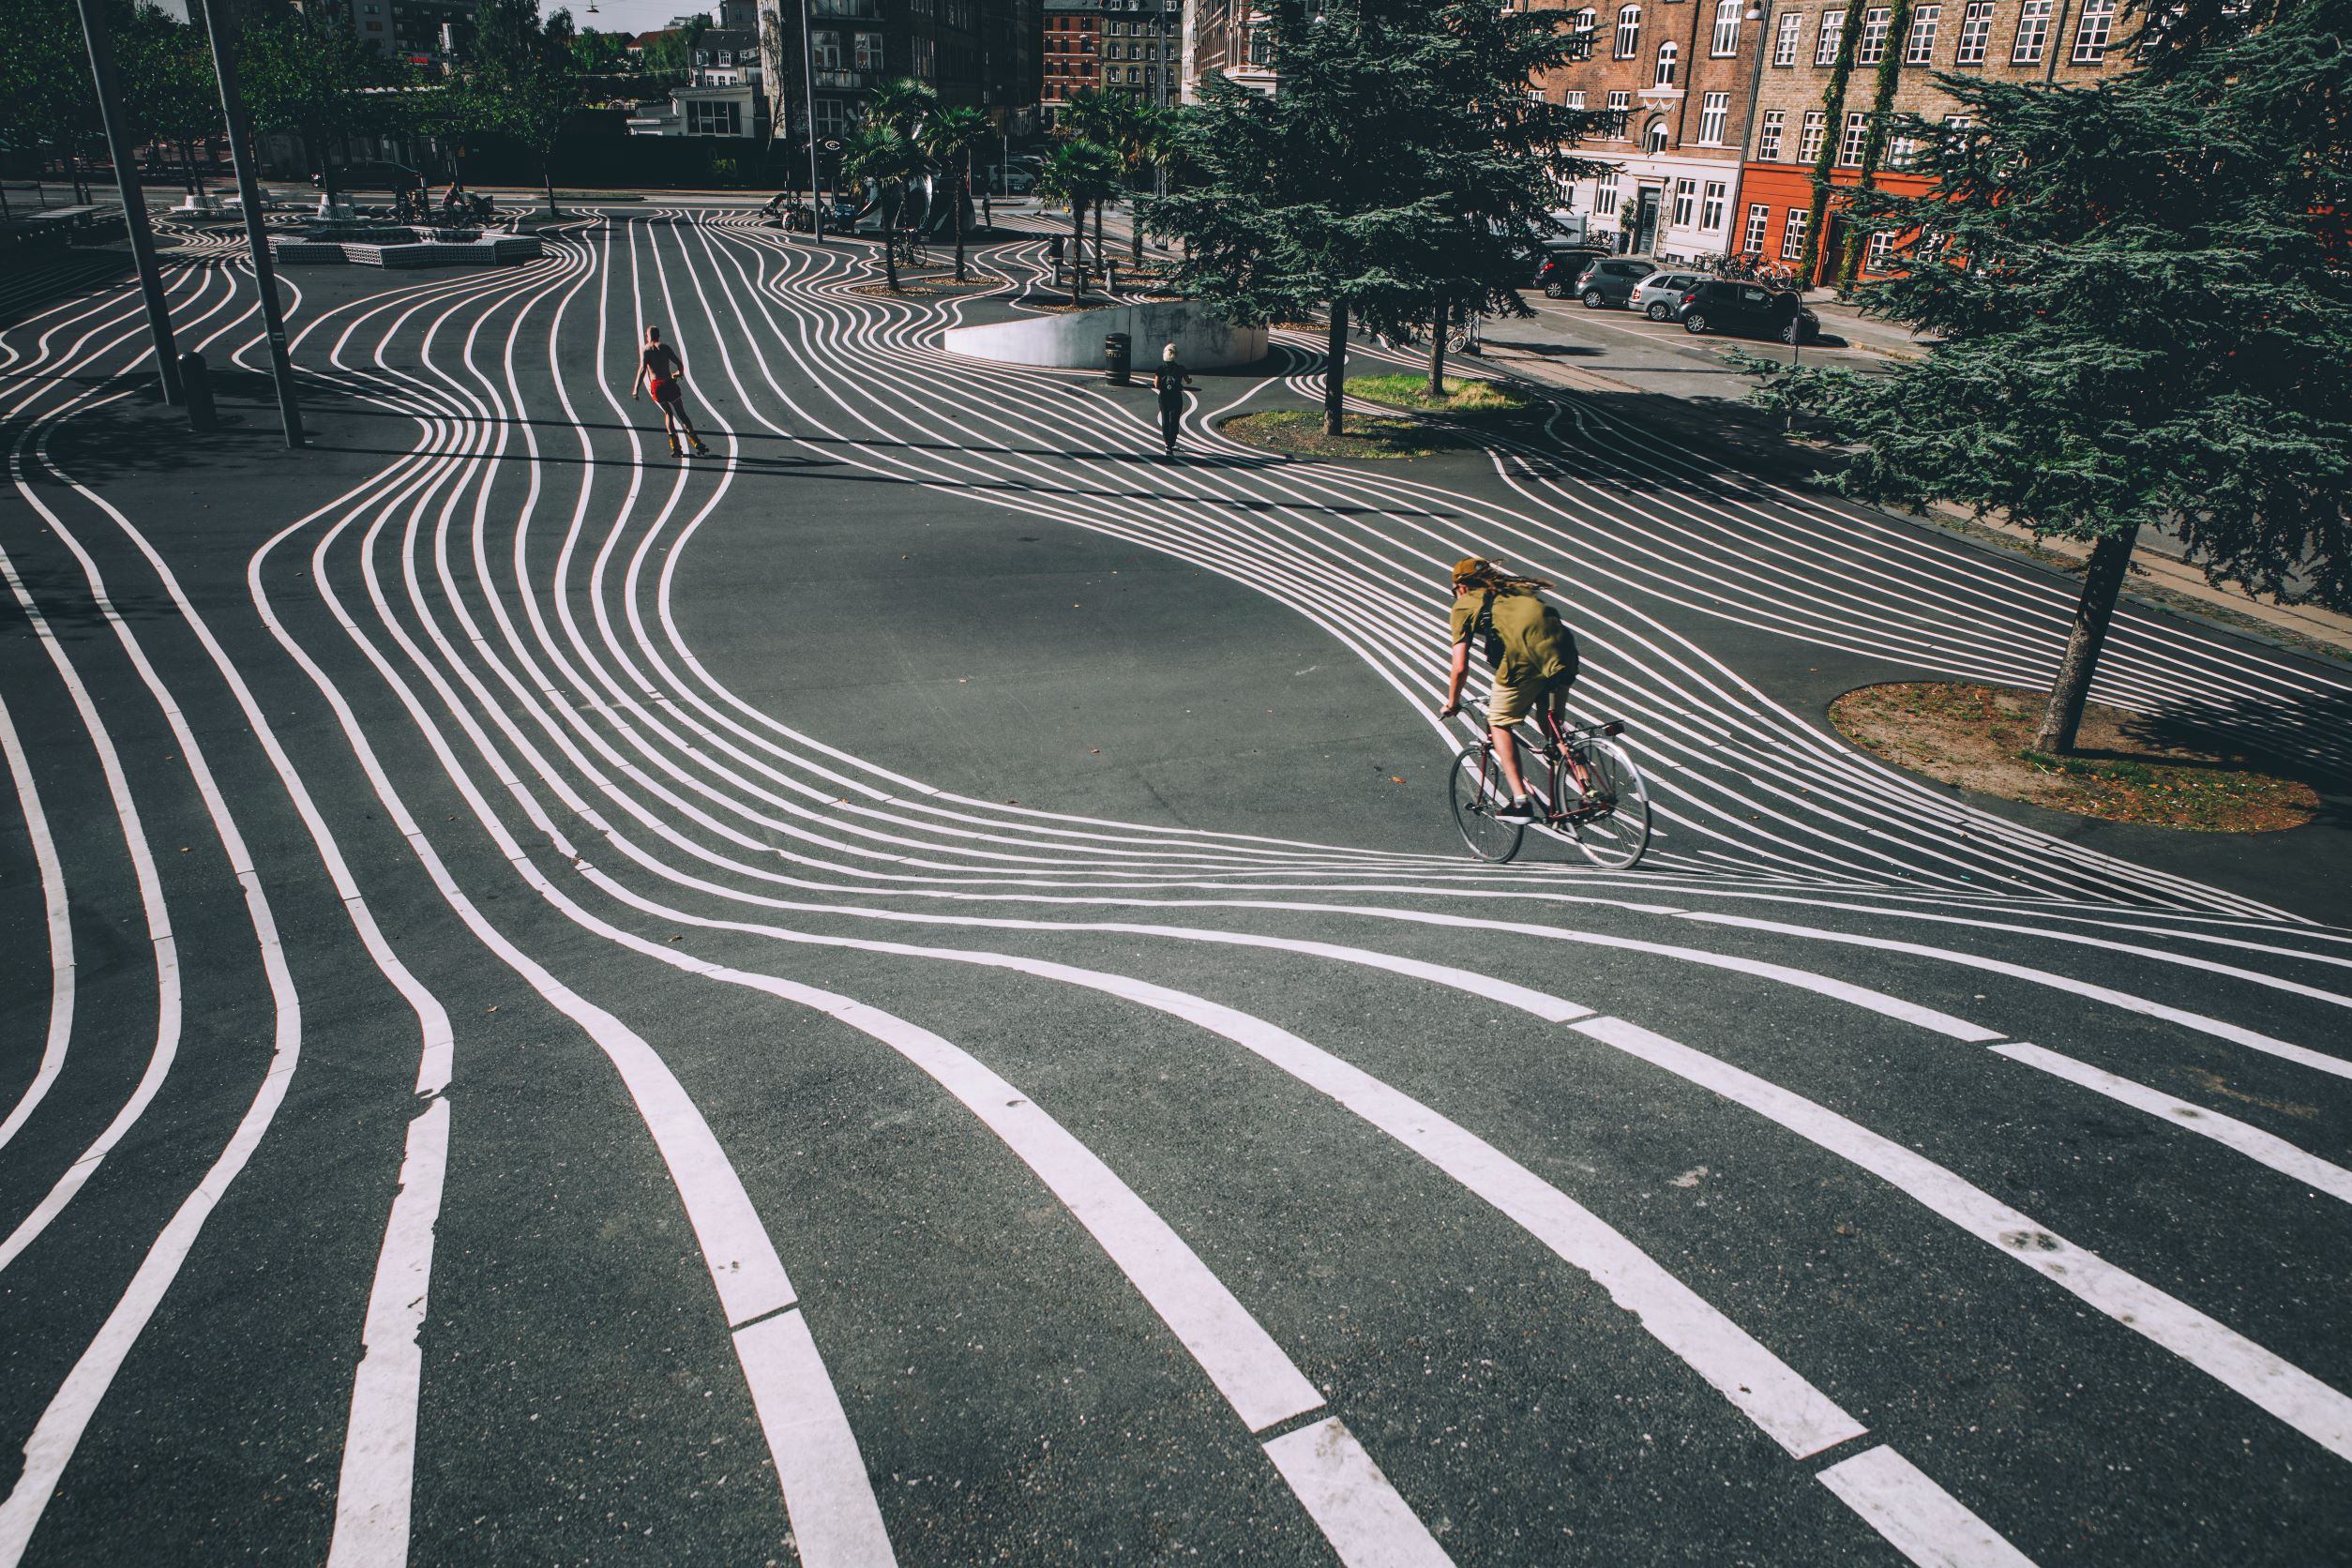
pixel 1119 353
pixel 196 388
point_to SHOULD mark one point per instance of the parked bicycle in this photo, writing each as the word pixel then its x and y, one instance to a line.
pixel 1611 822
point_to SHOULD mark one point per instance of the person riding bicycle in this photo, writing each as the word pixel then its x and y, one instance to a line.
pixel 1533 656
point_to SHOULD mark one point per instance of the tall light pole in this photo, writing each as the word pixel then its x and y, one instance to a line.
pixel 220 23
pixel 808 75
pixel 167 357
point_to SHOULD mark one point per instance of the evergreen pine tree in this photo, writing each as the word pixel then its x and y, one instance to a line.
pixel 2143 293
pixel 1400 172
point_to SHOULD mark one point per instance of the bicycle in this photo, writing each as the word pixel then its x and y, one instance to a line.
pixel 1610 824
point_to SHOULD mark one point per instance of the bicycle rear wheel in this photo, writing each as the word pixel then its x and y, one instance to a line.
pixel 1474 787
pixel 1614 838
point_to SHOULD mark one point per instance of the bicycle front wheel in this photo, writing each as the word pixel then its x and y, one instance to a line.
pixel 1475 788
pixel 1616 836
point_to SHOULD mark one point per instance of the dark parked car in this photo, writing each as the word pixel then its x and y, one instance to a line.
pixel 1612 281
pixel 1719 305
pixel 392 178
pixel 1561 265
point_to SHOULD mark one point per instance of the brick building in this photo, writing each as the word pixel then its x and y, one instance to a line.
pixel 1110 46
pixel 1228 37
pixel 978 53
pixel 2023 41
pixel 1679 75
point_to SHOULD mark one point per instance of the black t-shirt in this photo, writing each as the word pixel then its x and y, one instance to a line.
pixel 1168 381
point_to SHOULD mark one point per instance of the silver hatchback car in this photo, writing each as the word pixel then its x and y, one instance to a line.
pixel 1660 294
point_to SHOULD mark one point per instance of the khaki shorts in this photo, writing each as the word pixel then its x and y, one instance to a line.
pixel 1509 704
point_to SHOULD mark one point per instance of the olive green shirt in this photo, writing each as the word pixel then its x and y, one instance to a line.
pixel 1530 642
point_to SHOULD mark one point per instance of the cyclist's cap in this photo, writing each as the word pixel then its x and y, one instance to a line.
pixel 1471 566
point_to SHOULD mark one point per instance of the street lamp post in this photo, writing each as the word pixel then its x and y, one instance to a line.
pixel 134 199
pixel 220 23
pixel 809 76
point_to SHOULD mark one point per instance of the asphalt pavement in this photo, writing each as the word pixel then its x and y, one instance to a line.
pixel 906 991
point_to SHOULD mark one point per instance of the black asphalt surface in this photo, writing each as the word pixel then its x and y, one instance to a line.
pixel 906 991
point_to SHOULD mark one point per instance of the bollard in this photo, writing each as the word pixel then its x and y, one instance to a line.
pixel 197 387
pixel 1118 353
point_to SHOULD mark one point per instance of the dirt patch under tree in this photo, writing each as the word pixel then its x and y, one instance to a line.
pixel 2126 767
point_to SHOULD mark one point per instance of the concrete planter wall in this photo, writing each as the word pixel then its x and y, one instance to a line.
pixel 1074 340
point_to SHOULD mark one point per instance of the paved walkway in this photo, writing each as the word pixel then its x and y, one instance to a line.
pixel 907 991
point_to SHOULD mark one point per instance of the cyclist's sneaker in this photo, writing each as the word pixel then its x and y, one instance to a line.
pixel 1516 811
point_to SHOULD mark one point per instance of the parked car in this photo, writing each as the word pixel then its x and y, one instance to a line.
pixel 1011 179
pixel 1660 294
pixel 1560 267
pixel 1612 281
pixel 1719 305
pixel 392 178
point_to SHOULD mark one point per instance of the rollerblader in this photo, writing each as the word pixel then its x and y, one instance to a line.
pixel 660 371
pixel 1169 382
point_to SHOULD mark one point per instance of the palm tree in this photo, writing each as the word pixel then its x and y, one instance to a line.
pixel 948 136
pixel 1142 134
pixel 882 154
pixel 1082 173
pixel 901 103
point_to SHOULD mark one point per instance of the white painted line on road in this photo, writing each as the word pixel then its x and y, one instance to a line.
pixel 828 1494
pixel 56 911
pixel 2285 1051
pixel 1366 1523
pixel 2295 1396
pixel 372 1496
pixel 1260 1382
pixel 2248 1140
pixel 1921 1519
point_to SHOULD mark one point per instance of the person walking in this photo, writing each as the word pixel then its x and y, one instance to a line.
pixel 1169 382
pixel 661 371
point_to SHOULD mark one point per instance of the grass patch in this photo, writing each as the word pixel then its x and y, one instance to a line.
pixel 1300 431
pixel 1464 395
pixel 2126 767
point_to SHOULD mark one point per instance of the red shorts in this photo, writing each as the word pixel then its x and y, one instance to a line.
pixel 663 389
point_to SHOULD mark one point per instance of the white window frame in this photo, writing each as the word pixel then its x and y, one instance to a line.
pixel 869 50
pixel 1607 196
pixel 1920 47
pixel 1572 100
pixel 1871 47
pixel 1826 41
pixel 1669 58
pixel 1685 203
pixel 1759 221
pixel 1725 41
pixel 1621 103
pixel 1976 33
pixel 1655 138
pixel 2092 32
pixel 1715 116
pixel 1627 45
pixel 1792 26
pixel 1852 138
pixel 1769 139
pixel 2033 33
pixel 1792 235
pixel 1711 203
pixel 1809 136
pixel 1879 253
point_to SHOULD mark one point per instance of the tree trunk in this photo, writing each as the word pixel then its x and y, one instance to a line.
pixel 1335 367
pixel 1436 353
pixel 2103 579
pixel 546 177
pixel 1135 231
pixel 890 243
pixel 963 194
pixel 1098 228
pixel 1078 252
